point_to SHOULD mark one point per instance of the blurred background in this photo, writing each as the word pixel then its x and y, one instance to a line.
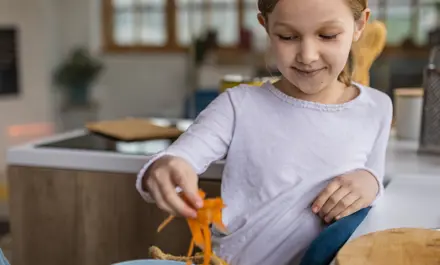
pixel 64 63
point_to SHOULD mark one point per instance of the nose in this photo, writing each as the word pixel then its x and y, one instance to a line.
pixel 308 52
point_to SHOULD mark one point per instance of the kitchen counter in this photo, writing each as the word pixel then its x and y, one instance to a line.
pixel 80 150
pixel 77 190
pixel 407 202
pixel 73 201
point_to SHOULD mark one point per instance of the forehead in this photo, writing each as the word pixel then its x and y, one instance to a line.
pixel 311 12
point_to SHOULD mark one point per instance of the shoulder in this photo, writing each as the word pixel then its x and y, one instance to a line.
pixel 379 102
pixel 233 99
pixel 244 89
pixel 242 92
pixel 377 98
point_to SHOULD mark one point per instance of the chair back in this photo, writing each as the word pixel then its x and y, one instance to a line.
pixel 324 248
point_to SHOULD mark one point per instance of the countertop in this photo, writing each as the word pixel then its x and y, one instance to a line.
pixel 402 157
pixel 408 202
pixel 36 154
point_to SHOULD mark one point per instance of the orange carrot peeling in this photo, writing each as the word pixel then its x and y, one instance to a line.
pixel 210 213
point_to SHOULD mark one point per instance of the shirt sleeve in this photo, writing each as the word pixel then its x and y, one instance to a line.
pixel 205 141
pixel 376 159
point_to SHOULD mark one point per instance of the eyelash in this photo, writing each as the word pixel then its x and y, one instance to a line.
pixel 329 37
pixel 286 38
pixel 325 37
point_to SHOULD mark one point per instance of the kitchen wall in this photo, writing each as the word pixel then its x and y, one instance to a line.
pixel 33 106
pixel 134 84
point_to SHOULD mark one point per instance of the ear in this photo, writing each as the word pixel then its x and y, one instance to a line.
pixel 262 20
pixel 360 24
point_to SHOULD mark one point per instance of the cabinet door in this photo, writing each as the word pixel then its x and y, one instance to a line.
pixel 73 217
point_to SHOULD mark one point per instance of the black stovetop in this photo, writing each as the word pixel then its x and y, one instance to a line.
pixel 96 142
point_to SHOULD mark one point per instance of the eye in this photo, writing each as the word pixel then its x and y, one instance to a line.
pixel 329 37
pixel 287 38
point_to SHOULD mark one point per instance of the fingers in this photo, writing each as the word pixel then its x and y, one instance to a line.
pixel 163 190
pixel 354 207
pixel 325 195
pixel 160 202
pixel 343 204
pixel 164 176
pixel 173 200
pixel 188 183
pixel 345 195
pixel 333 201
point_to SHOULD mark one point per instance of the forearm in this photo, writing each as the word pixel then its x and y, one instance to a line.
pixel 204 142
pixel 377 158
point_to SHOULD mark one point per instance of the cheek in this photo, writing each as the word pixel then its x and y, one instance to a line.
pixel 284 54
pixel 337 55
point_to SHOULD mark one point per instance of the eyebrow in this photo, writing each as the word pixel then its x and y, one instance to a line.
pixel 333 22
pixel 282 24
pixel 326 22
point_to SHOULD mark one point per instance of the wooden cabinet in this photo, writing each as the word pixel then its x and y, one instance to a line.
pixel 87 218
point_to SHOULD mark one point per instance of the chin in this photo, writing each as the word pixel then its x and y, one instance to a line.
pixel 308 86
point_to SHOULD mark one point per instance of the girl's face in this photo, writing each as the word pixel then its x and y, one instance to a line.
pixel 311 40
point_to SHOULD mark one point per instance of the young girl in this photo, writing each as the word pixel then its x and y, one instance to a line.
pixel 306 149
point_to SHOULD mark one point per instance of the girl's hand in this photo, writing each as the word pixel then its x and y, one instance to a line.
pixel 345 195
pixel 161 180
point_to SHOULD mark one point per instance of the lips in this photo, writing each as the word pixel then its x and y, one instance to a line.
pixel 308 72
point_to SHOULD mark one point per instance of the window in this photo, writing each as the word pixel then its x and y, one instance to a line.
pixel 427 19
pixel 173 24
pixel 378 9
pixel 250 11
pixel 409 20
pixel 136 24
pixel 196 16
pixel 141 22
pixel 169 24
pixel 398 20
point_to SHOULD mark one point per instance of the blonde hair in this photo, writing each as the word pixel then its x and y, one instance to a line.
pixel 357 7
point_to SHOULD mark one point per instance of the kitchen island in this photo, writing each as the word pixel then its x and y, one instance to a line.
pixel 73 200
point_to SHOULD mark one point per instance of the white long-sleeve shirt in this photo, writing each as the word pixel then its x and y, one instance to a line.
pixel 280 153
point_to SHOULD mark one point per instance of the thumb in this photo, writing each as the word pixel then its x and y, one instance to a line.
pixel 188 182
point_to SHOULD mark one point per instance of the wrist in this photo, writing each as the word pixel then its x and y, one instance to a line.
pixel 151 167
pixel 148 169
pixel 373 178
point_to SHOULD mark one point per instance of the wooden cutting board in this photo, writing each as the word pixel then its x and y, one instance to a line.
pixel 133 129
pixel 403 246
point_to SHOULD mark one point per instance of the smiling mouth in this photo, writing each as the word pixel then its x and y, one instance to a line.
pixel 308 73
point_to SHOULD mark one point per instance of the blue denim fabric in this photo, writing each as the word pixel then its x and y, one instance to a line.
pixel 325 247
pixel 3 260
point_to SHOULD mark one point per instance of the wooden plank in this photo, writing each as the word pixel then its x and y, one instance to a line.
pixel 4 192
pixel 41 216
pixel 87 218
